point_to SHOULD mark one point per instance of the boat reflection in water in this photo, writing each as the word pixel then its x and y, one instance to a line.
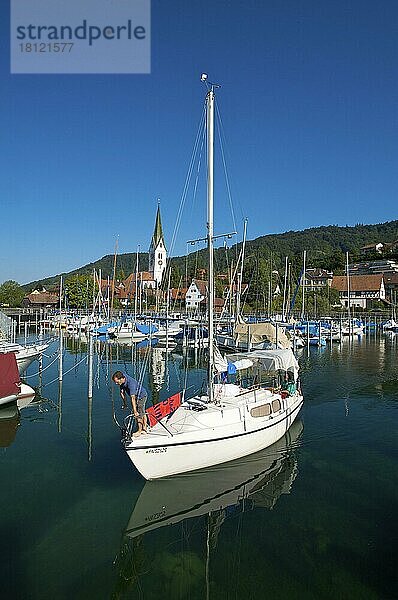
pixel 9 422
pixel 10 419
pixel 218 493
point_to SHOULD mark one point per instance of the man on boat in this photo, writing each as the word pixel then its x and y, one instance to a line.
pixel 138 397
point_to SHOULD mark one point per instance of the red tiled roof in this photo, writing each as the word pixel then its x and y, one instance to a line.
pixel 201 285
pixel 358 283
pixel 42 298
pixel 142 276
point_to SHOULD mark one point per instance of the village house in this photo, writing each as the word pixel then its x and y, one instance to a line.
pixel 364 289
pixel 196 297
pixel 195 294
pixel 178 294
pixel 391 283
pixel 380 248
pixel 316 279
pixel 372 248
pixel 371 267
pixel 42 299
pixel 144 284
pixel 127 289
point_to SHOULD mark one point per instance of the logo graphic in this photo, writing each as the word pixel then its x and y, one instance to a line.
pixel 80 36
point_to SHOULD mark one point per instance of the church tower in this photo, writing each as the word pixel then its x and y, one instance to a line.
pixel 157 251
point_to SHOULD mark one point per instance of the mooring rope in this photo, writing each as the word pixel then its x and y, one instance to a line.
pixel 42 370
pixel 66 372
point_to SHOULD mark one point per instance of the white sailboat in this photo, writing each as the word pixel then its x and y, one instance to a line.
pixel 128 330
pixel 229 421
pixel 24 354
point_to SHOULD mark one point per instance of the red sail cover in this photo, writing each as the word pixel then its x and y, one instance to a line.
pixel 9 375
pixel 162 409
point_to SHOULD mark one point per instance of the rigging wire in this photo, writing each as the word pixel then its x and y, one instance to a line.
pixel 199 136
pixel 195 187
pixel 199 142
pixel 221 134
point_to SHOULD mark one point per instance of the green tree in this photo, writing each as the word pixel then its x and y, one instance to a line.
pixel 11 293
pixel 79 290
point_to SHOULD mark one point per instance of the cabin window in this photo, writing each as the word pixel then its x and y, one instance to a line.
pixel 261 411
pixel 276 405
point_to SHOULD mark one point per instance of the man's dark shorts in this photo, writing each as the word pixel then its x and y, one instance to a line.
pixel 141 402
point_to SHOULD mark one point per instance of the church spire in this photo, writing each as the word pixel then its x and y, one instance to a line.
pixel 157 250
pixel 158 231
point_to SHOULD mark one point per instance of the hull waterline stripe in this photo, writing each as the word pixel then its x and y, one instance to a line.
pixel 228 437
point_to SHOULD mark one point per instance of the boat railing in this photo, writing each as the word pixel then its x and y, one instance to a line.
pixel 6 327
pixel 130 420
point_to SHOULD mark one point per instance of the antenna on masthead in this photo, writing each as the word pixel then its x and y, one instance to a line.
pixel 210 86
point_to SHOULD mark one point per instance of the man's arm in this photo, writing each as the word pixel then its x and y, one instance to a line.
pixel 134 405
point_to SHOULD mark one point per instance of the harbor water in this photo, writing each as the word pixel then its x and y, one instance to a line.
pixel 312 517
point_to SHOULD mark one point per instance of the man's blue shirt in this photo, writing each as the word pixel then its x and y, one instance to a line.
pixel 132 387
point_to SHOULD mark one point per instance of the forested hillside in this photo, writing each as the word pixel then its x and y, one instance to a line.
pixel 326 247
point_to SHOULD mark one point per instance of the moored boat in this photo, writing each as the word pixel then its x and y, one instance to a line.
pixel 230 420
pixel 24 355
pixel 12 390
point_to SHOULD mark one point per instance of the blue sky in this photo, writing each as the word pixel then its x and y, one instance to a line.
pixel 309 108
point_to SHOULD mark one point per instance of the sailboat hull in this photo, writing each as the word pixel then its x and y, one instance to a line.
pixel 266 474
pixel 25 355
pixel 240 435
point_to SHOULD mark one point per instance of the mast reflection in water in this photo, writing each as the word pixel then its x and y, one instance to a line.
pixel 177 522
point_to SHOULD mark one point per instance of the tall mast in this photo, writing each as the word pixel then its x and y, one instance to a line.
pixel 210 229
pixel 60 297
pixel 239 292
pixel 114 275
pixel 284 293
pixel 136 286
pixel 348 293
pixel 303 283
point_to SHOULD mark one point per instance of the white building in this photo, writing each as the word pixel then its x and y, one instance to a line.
pixel 364 289
pixel 157 251
pixel 195 294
